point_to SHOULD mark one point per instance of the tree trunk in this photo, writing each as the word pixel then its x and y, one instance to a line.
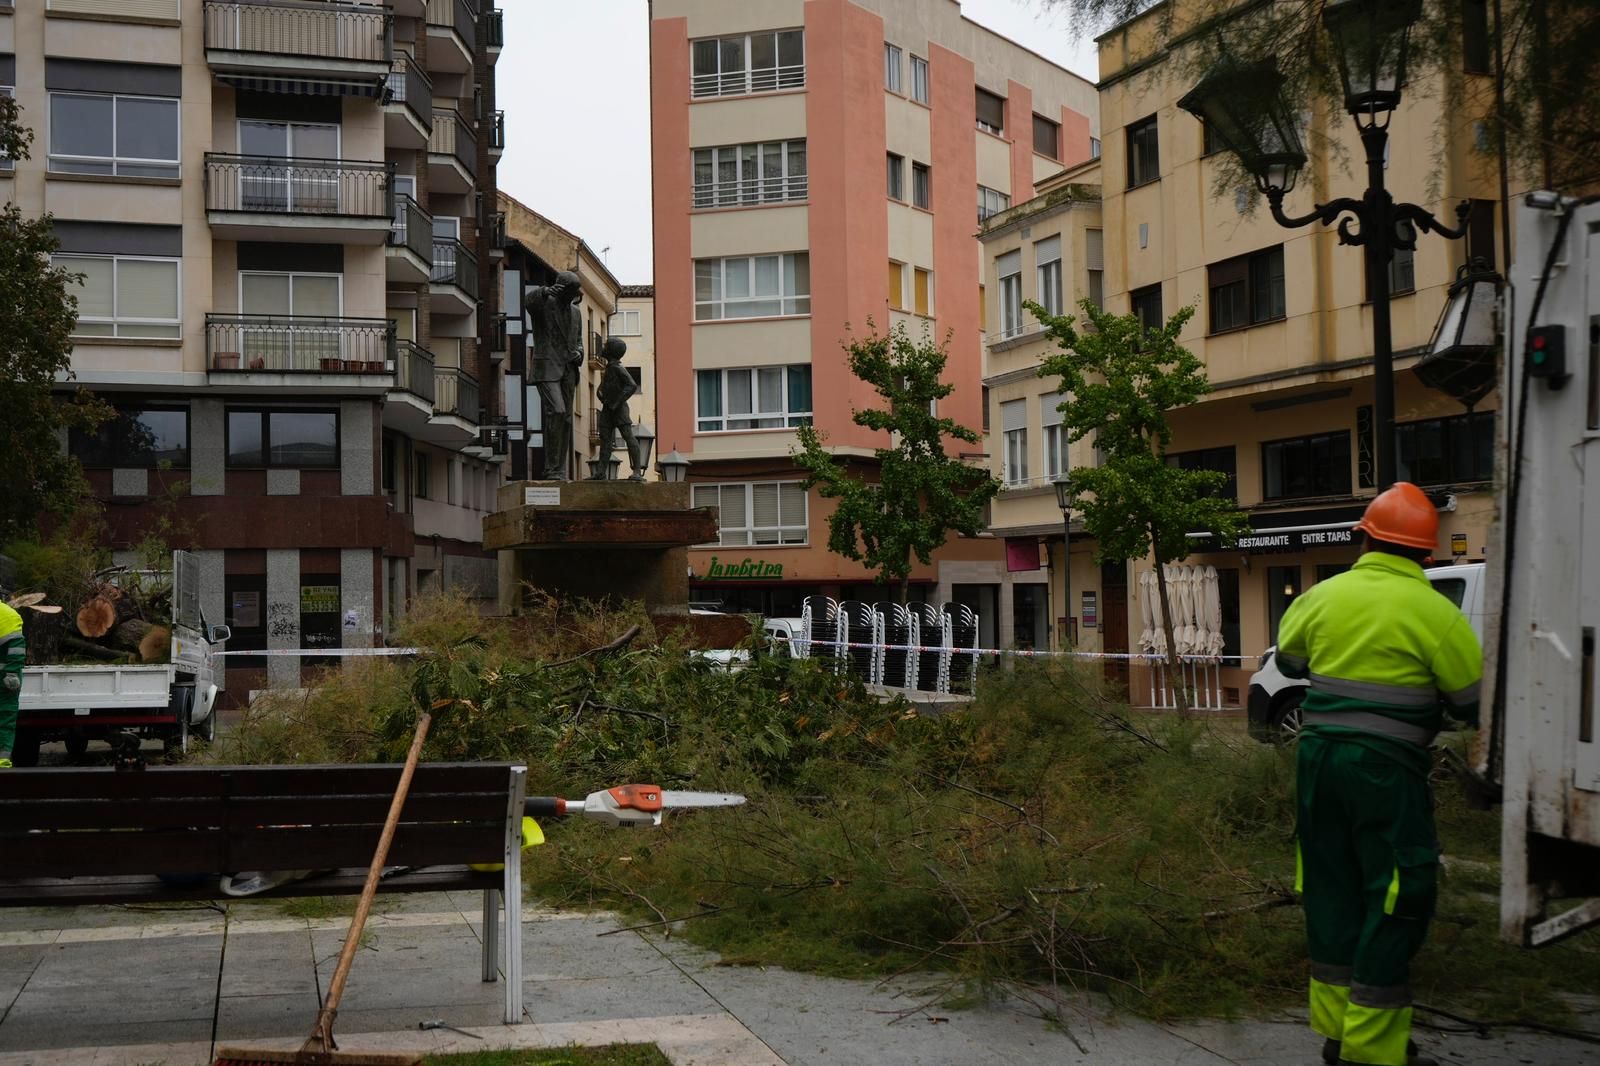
pixel 96 617
pixel 127 635
pixel 1172 644
pixel 905 589
pixel 156 647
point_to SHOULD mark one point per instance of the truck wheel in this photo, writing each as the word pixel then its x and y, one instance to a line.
pixel 77 744
pixel 25 748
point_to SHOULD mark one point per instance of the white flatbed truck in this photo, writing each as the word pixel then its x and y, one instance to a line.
pixel 168 701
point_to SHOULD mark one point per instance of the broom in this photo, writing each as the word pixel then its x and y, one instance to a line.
pixel 319 1048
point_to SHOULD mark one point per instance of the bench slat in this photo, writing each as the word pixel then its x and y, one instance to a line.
pixel 84 891
pixel 213 781
pixel 220 812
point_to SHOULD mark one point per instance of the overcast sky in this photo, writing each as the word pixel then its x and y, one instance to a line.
pixel 574 81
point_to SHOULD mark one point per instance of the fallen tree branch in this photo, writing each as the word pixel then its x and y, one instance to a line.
pixel 604 649
pixel 1260 905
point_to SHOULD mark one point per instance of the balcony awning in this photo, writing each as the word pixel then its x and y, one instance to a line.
pixel 308 86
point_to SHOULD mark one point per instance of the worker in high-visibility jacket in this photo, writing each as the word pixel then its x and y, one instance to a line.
pixel 1385 655
pixel 13 654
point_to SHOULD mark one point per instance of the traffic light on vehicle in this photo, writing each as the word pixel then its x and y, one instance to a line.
pixel 1546 356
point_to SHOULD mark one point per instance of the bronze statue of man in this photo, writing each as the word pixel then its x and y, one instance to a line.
pixel 555 345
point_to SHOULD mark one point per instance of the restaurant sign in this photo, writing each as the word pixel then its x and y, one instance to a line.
pixel 1290 531
pixel 746 569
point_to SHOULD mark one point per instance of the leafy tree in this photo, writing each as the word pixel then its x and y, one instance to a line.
pixel 37 313
pixel 921 492
pixel 1549 124
pixel 1122 381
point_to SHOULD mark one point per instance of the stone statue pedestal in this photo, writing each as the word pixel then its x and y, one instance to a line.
pixel 597 540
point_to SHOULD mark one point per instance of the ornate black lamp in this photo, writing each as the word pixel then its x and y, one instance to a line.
pixel 1461 359
pixel 1246 107
pixel 1371 42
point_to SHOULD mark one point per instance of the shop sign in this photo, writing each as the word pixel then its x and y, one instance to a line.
pixel 746 569
pixel 319 599
pixel 1458 544
pixel 1266 540
pixel 1022 554
pixel 1091 610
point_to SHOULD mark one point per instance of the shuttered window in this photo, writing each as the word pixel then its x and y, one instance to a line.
pixel 1094 262
pixel 991 112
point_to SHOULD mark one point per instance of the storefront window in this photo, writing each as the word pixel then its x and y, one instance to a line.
pixel 1028 619
pixel 1283 585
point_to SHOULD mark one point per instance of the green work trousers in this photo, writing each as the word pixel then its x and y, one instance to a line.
pixel 10 665
pixel 1367 867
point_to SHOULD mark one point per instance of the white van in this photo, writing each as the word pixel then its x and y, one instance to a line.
pixel 1273 708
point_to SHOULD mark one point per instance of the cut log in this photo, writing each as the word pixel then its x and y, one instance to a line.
pixel 128 635
pixel 156 646
pixel 96 617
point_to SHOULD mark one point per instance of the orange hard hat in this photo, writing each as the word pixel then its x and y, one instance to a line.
pixel 1402 514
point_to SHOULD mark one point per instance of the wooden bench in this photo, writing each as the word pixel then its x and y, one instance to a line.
pixel 86 836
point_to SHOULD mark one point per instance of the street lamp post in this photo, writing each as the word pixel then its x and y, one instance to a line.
pixel 1244 105
pixel 1064 501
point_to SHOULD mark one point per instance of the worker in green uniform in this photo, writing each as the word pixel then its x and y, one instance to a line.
pixel 1385 655
pixel 13 654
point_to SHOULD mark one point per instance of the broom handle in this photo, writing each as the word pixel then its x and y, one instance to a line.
pixel 352 939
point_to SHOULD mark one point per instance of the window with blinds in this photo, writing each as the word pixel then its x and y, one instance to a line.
pixel 922 291
pixel 1014 430
pixel 1094 263
pixel 1047 263
pixel 124 295
pixel 897 285
pixel 991 112
pixel 1009 269
pixel 1055 434
pixel 756 513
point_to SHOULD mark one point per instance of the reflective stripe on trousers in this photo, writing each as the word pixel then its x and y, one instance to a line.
pixel 1369 722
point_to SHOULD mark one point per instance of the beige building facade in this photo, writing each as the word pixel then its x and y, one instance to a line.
pixel 276 209
pixel 1284 327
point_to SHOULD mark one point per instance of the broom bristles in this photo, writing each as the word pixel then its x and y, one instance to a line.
pixel 236 1056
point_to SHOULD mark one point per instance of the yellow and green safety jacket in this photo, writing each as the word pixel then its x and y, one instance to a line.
pixel 12 645
pixel 1384 653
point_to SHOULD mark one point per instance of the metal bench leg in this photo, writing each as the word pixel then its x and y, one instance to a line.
pixel 491 935
pixel 513 897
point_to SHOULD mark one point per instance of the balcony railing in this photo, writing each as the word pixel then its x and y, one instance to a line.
pixel 413 229
pixel 458 15
pixel 454 265
pixel 322 29
pixel 496 437
pixel 497 131
pixel 274 186
pixel 493 28
pixel 494 228
pixel 746 191
pixel 455 392
pixel 497 334
pixel 413 370
pixel 409 84
pixel 453 137
pixel 759 80
pixel 292 344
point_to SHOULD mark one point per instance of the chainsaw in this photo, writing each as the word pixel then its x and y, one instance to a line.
pixel 628 805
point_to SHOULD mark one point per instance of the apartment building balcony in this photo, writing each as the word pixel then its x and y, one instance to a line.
pixel 308 354
pixel 494 439
pixel 452 154
pixel 330 201
pixel 326 47
pixel 452 35
pixel 493 29
pixel 455 408
pixel 497 336
pixel 497 134
pixel 409 256
pixel 408 109
pixel 453 283
pixel 409 405
pixel 494 228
